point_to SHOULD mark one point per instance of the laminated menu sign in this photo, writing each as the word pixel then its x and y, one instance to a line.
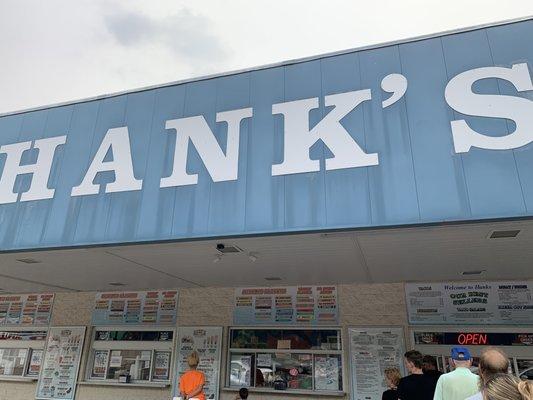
pixel 372 350
pixel 136 308
pixel 206 341
pixel 59 370
pixel 26 309
pixel 300 305
pixel 326 373
pixel 470 303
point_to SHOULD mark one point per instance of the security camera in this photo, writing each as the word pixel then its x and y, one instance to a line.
pixel 220 246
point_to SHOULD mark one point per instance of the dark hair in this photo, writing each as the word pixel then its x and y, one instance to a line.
pixel 430 362
pixel 414 357
pixel 243 393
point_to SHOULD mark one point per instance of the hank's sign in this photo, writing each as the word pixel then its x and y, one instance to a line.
pixel 299 137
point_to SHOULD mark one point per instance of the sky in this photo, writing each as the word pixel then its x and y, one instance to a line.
pixel 61 50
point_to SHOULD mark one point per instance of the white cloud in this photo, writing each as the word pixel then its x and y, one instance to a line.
pixel 62 50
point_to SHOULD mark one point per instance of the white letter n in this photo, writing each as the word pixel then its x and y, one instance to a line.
pixel 299 139
pixel 221 167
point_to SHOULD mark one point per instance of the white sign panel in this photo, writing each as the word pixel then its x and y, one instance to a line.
pixel 26 309
pixel 59 370
pixel 287 305
pixel 372 350
pixel 207 342
pixel 470 303
pixel 136 308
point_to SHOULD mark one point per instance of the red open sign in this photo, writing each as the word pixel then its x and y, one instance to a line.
pixel 472 338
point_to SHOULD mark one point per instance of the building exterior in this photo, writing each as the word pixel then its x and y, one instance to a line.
pixel 377 185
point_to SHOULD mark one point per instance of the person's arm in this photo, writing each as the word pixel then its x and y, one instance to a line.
pixel 438 389
pixel 195 392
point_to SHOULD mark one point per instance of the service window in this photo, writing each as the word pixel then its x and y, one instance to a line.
pixel 130 356
pixel 286 359
pixel 21 353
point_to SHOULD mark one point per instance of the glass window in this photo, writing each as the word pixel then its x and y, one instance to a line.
pixel 525 369
pixel 241 370
pixel 12 361
pixel 286 359
pixel 299 339
pixel 328 372
pixel 161 366
pixel 135 363
pixel 34 365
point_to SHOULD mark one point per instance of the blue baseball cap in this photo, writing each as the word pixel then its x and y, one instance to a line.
pixel 461 354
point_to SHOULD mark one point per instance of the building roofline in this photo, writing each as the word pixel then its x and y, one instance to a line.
pixel 273 65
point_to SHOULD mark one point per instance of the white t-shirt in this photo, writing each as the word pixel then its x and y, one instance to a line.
pixel 477 396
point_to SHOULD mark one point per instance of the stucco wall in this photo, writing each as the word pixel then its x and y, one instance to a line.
pixel 360 305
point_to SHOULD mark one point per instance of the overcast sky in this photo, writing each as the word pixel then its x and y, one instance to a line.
pixel 59 50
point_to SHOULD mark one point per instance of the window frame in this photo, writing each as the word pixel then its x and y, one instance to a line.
pixel 255 351
pixel 133 345
pixel 29 345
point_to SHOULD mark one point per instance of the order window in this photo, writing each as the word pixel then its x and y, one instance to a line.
pixel 286 359
pixel 131 356
pixel 21 353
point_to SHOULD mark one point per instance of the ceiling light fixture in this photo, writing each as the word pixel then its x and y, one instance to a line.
pixel 507 234
pixel 473 272
pixel 28 260
pixel 116 284
pixel 253 257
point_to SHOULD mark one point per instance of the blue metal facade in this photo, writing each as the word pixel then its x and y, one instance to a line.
pixel 420 179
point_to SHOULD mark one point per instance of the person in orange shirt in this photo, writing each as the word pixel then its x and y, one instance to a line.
pixel 192 382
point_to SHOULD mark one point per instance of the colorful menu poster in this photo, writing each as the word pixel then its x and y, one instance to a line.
pixel 59 370
pixel 206 341
pixel 502 303
pixel 26 309
pixel 136 308
pixel 372 350
pixel 290 305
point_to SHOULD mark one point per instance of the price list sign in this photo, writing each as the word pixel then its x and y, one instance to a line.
pixel 291 305
pixel 475 303
pixel 26 309
pixel 136 308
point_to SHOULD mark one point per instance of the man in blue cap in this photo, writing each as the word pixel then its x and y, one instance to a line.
pixel 461 382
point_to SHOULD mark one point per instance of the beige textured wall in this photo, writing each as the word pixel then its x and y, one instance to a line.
pixel 360 305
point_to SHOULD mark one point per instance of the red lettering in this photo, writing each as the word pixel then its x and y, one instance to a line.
pixel 461 339
pixel 483 339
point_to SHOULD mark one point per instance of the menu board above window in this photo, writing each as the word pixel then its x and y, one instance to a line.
pixel 291 305
pixel 26 309
pixel 136 308
pixel 475 303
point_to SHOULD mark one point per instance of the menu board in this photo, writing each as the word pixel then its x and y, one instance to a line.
pixel 472 303
pixel 327 373
pixel 206 341
pixel 372 350
pixel 26 309
pixel 59 370
pixel 290 305
pixel 136 308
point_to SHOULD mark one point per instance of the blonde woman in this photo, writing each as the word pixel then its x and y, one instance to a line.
pixel 392 378
pixel 192 382
pixel 507 387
